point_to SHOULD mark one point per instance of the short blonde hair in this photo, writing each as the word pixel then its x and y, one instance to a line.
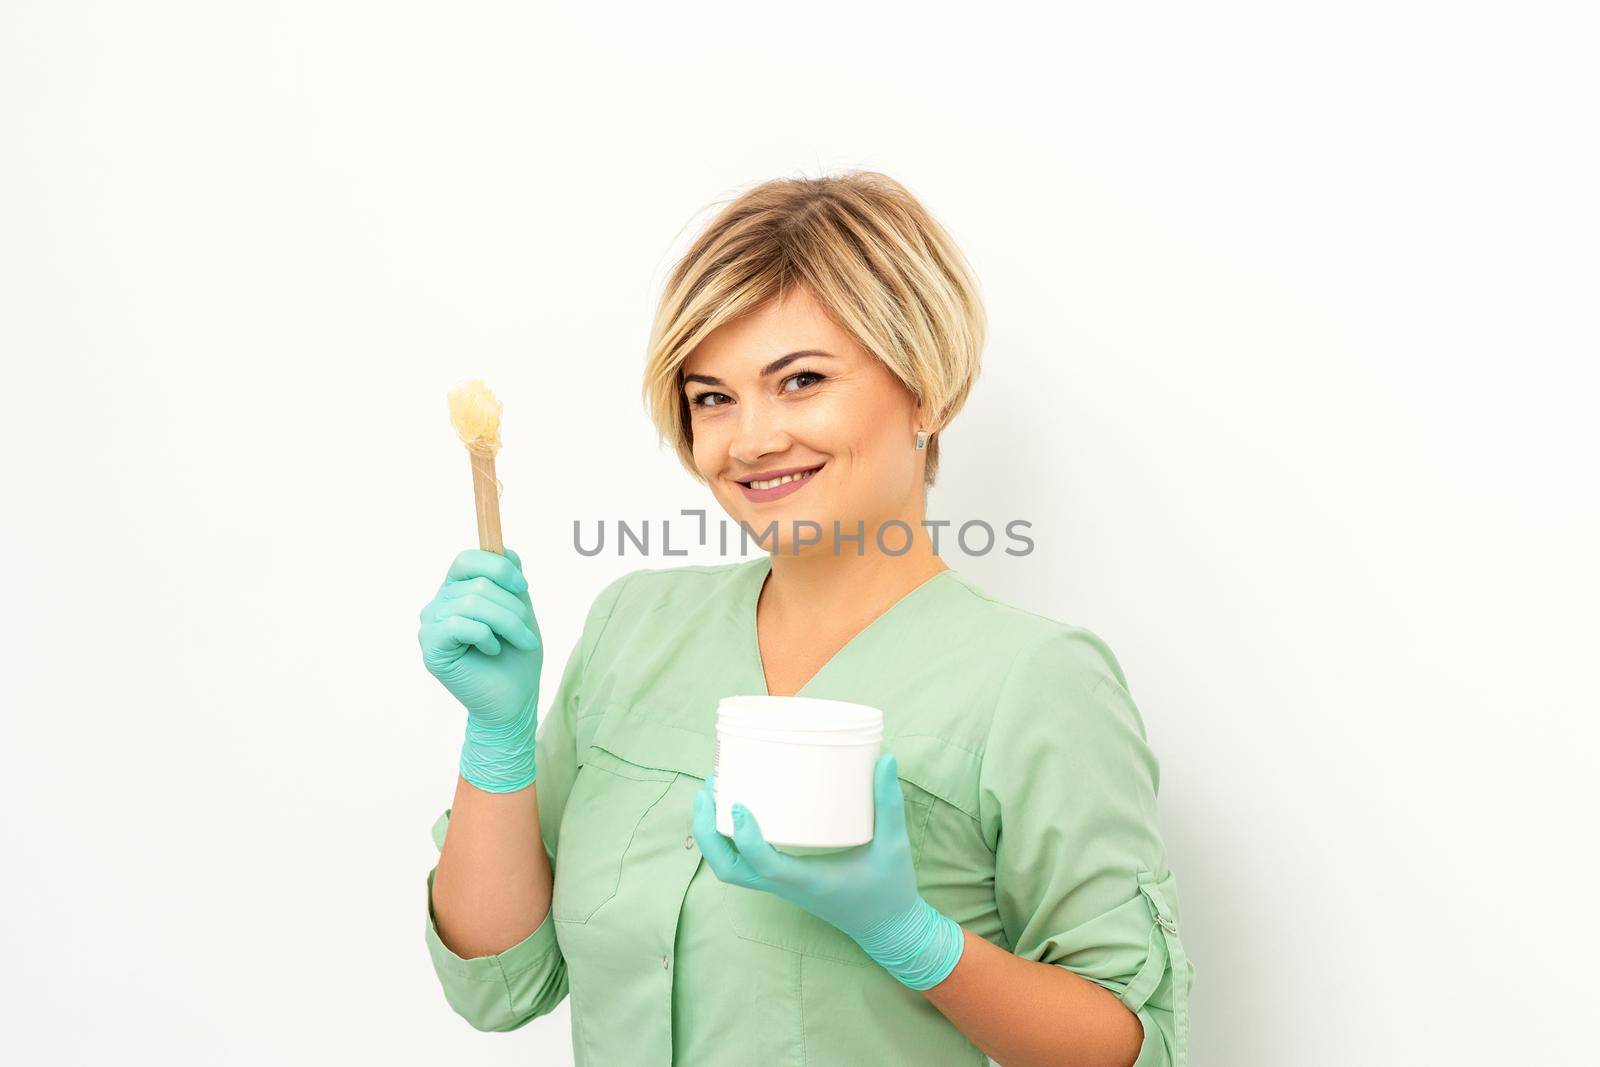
pixel 885 271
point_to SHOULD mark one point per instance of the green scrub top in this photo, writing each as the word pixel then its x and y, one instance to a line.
pixel 1030 803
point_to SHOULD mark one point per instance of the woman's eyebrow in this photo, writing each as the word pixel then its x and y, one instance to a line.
pixel 771 368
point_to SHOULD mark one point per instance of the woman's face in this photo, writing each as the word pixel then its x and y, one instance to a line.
pixel 784 388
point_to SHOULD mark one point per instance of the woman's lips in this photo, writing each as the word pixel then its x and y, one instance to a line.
pixel 761 496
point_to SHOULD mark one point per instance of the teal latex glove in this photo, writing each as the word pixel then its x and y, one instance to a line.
pixel 482 603
pixel 869 891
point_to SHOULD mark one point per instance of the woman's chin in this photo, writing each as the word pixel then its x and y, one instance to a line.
pixel 787 531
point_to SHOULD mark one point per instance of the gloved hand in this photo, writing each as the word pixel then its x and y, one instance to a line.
pixel 869 891
pixel 484 600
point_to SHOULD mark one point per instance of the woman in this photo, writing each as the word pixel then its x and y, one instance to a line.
pixel 1015 899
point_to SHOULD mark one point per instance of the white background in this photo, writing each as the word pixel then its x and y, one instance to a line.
pixel 1291 368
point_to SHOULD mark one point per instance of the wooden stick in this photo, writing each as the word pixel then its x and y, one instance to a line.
pixel 486 491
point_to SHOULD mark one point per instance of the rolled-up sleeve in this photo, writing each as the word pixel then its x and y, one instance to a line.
pixel 507 990
pixel 1067 800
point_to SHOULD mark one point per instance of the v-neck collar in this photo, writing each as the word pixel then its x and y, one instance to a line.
pixel 759 569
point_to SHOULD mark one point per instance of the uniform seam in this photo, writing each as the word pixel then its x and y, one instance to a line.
pixel 505 984
pixel 981 595
pixel 605 624
pixel 666 786
pixel 938 737
pixel 922 839
pixel 537 961
pixel 800 991
pixel 580 1025
pixel 994 711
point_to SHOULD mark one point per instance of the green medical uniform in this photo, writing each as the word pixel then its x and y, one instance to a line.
pixel 1030 803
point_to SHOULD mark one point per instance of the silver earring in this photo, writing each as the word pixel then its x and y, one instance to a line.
pixel 922 439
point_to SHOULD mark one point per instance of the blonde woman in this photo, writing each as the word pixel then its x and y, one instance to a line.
pixel 1015 900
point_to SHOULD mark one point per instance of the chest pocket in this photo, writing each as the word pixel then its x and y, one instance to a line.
pixel 610 799
pixel 757 915
pixel 629 759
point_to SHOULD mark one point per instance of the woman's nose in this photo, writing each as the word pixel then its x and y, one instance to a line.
pixel 759 432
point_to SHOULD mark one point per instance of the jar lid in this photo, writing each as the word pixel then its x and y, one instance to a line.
pixel 797 713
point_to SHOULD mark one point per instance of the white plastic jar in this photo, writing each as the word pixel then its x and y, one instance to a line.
pixel 802 765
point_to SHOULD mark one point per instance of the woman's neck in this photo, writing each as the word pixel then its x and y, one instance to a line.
pixel 824 590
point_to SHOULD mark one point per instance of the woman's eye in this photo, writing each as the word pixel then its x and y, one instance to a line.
pixel 802 374
pixel 697 401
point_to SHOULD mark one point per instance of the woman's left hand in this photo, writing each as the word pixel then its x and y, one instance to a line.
pixel 854 888
pixel 868 891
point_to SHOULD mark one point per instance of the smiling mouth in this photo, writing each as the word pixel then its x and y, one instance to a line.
pixel 785 480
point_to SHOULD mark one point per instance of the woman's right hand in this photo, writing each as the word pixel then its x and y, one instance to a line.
pixel 480 638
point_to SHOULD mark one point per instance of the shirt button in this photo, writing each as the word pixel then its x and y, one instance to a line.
pixel 663 963
pixel 688 842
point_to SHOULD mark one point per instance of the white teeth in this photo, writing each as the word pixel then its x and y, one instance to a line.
pixel 787 478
